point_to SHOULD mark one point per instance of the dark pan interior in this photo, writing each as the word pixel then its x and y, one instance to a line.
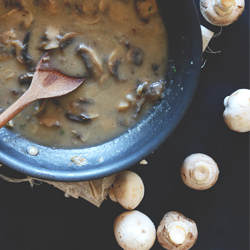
pixel 185 46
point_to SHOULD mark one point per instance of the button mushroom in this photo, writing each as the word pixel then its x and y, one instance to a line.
pixel 221 12
pixel 128 189
pixel 176 231
pixel 237 110
pixel 134 231
pixel 199 171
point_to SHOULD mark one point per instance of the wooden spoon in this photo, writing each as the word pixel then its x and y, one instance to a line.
pixel 46 83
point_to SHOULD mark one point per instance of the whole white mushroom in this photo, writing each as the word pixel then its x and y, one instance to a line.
pixel 177 232
pixel 237 110
pixel 128 189
pixel 222 12
pixel 134 231
pixel 199 171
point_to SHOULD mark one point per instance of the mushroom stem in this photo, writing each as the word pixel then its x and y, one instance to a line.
pixel 177 232
pixel 201 173
pixel 223 7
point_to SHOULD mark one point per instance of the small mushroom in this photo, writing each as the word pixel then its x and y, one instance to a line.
pixel 128 189
pixel 91 60
pixel 50 39
pixel 222 12
pixel 176 232
pixel 237 110
pixel 155 90
pixel 199 171
pixel 134 230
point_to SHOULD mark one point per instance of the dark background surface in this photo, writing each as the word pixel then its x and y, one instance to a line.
pixel 41 217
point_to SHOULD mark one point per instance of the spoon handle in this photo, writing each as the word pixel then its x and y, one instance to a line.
pixel 15 108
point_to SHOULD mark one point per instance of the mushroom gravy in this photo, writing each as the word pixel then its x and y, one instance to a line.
pixel 119 45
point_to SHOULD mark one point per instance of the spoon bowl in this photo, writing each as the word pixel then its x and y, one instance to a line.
pixel 46 83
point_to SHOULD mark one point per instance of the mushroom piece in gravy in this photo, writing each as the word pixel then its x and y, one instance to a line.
pixel 119 46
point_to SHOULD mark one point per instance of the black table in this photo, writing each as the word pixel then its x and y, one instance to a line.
pixel 41 217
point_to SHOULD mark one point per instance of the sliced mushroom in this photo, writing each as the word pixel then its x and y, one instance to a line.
pixel 138 106
pixel 9 38
pixel 92 62
pixel 41 107
pixel 135 56
pixel 142 87
pixel 114 62
pixel 77 112
pixel 51 39
pixel 78 137
pixel 25 78
pixel 24 56
pixel 49 122
pixel 20 16
pixel 5 52
pixel 146 8
pixel 67 39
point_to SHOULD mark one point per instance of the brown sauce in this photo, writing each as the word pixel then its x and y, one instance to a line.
pixel 119 45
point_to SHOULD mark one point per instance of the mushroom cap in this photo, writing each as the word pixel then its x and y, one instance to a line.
pixel 128 189
pixel 209 13
pixel 199 171
pixel 134 231
pixel 172 221
pixel 237 110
